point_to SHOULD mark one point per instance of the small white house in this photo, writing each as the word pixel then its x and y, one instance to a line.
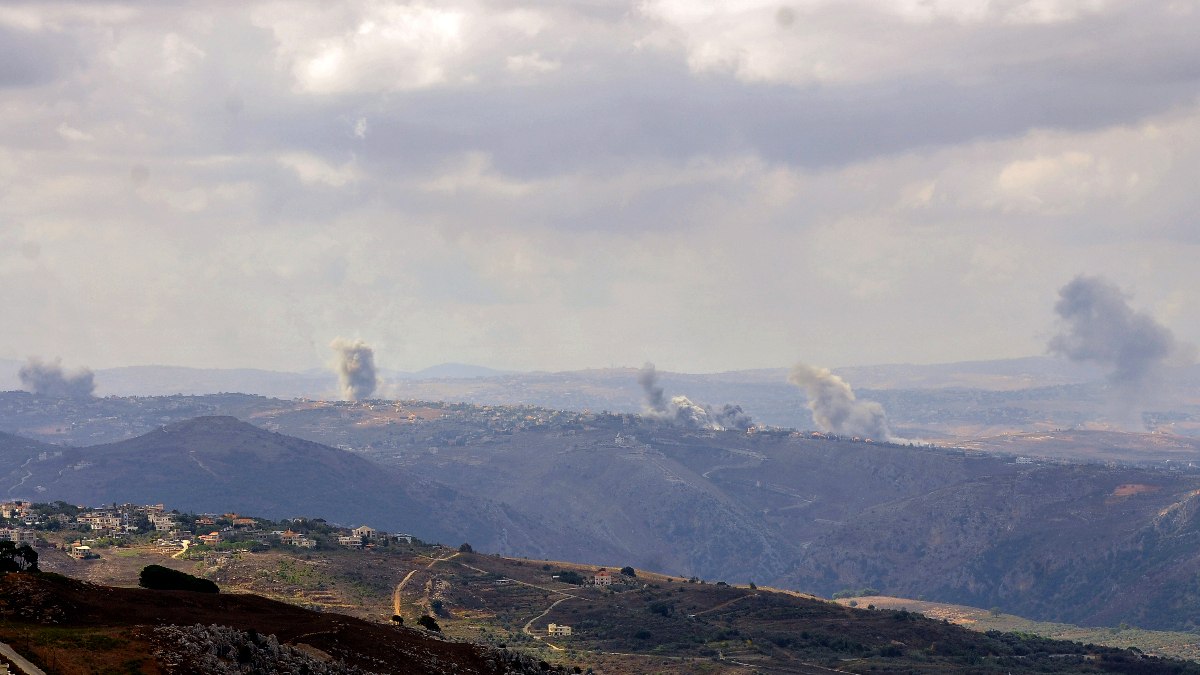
pixel 81 552
pixel 557 629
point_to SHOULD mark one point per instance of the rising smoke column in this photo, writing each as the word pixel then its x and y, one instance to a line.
pixel 1100 327
pixel 355 366
pixel 836 409
pixel 681 411
pixel 656 400
pixel 49 379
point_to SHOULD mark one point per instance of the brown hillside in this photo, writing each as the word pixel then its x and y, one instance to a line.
pixel 29 603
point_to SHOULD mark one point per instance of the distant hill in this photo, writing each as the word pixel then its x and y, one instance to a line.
pixel 1089 445
pixel 1077 544
pixel 954 400
pixel 166 380
pixel 453 371
pixel 994 375
pixel 212 463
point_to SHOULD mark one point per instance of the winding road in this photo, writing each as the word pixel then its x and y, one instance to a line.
pixel 403 582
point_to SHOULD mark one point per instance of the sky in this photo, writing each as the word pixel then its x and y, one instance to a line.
pixel 560 185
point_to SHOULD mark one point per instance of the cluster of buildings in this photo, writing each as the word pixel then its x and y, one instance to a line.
pixel 22 517
pixel 240 528
pixel 175 530
pixel 367 537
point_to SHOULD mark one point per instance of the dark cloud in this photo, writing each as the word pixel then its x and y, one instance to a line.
pixel 644 105
pixel 31 59
pixel 49 379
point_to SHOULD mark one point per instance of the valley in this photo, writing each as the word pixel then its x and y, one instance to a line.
pixel 1096 543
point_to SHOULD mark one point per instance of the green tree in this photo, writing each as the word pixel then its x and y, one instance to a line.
pixel 15 558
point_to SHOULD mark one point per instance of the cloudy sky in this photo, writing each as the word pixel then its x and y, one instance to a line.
pixel 562 185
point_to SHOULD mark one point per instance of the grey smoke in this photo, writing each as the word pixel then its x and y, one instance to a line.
pixel 355 366
pixel 656 400
pixel 682 411
pixel 836 409
pixel 1100 327
pixel 49 379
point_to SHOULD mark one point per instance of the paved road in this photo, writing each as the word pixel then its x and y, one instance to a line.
pixel 23 665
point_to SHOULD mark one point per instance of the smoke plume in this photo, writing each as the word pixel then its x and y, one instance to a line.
pixel 1100 327
pixel 355 366
pixel 835 409
pixel 681 411
pixel 49 379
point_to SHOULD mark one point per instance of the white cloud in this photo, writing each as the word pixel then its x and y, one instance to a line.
pixel 70 133
pixel 532 64
pixel 474 174
pixel 854 41
pixel 312 170
pixel 59 16
pixel 178 54
pixel 369 47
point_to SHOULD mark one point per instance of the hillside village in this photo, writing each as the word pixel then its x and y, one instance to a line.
pixel 83 531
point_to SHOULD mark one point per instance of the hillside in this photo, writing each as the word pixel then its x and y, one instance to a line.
pixel 1096 446
pixel 1077 544
pixel 643 623
pixel 69 626
pixel 1176 644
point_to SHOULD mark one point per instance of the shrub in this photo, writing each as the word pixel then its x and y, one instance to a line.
pixel 571 577
pixel 628 571
pixel 429 623
pixel 660 607
pixel 159 578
